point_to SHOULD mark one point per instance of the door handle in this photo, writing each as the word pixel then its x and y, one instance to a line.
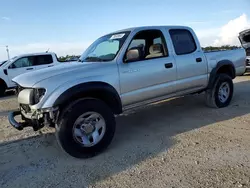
pixel 50 65
pixel 199 59
pixel 168 65
pixel 29 68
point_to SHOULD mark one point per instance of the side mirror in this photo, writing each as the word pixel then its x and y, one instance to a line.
pixel 132 55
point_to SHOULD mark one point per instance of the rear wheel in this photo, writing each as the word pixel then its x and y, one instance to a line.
pixel 85 128
pixel 220 95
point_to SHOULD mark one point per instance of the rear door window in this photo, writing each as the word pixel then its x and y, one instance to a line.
pixel 183 41
pixel 43 60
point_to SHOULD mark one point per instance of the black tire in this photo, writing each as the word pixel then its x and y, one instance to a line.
pixel 2 89
pixel 66 122
pixel 212 96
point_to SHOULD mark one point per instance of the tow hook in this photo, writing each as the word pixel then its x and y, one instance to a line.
pixel 19 126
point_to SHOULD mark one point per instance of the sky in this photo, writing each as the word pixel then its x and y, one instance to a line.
pixel 69 27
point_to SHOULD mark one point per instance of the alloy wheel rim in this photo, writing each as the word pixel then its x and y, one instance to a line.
pixel 224 92
pixel 89 129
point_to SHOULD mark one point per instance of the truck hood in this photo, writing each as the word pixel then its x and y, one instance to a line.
pixel 244 37
pixel 31 78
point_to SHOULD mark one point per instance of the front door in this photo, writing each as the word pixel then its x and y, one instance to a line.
pixel 20 66
pixel 153 74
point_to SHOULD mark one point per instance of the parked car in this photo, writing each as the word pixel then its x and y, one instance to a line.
pixel 245 41
pixel 122 70
pixel 23 64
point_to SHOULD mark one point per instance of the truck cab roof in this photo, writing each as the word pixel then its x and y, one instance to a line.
pixel 34 54
pixel 152 27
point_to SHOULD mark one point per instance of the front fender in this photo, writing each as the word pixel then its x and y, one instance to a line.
pixel 53 93
pixel 96 89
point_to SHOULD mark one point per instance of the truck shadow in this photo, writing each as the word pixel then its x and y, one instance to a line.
pixel 141 134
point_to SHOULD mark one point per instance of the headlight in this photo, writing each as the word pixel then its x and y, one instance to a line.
pixel 38 94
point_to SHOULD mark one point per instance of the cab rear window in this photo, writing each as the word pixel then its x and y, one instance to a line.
pixel 43 59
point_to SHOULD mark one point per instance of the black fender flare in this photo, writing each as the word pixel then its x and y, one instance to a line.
pixel 216 70
pixel 100 90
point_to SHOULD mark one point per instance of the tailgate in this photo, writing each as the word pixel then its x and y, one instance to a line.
pixel 244 37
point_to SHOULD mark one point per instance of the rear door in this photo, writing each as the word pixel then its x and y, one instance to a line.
pixel 190 61
pixel 153 74
pixel 43 61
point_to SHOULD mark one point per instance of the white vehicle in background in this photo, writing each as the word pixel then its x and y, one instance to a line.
pixel 2 62
pixel 245 41
pixel 22 64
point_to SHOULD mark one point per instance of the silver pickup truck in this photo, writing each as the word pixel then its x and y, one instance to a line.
pixel 120 71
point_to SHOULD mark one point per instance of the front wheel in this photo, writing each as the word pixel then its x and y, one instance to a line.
pixel 220 95
pixel 85 128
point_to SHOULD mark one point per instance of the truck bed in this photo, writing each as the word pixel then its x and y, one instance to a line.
pixel 236 56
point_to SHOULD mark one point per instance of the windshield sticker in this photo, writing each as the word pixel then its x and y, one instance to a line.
pixel 117 36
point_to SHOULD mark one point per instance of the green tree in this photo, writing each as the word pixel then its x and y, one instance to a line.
pixel 220 48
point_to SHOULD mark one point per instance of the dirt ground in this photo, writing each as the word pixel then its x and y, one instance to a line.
pixel 180 143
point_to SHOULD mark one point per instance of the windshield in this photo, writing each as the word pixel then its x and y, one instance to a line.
pixel 11 60
pixel 105 48
pixel 1 63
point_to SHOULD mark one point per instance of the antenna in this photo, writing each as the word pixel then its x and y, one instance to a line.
pixel 8 53
pixel 47 50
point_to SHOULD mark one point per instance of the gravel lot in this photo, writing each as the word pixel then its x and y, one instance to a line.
pixel 179 143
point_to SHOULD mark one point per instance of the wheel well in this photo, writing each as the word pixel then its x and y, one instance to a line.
pixel 3 82
pixel 227 69
pixel 103 95
pixel 106 94
pixel 223 67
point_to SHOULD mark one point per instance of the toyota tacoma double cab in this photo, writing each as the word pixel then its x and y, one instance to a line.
pixel 119 71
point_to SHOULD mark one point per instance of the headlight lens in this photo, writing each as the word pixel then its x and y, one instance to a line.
pixel 38 94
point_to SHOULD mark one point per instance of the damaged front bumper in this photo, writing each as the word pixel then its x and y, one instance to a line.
pixel 37 119
pixel 18 125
